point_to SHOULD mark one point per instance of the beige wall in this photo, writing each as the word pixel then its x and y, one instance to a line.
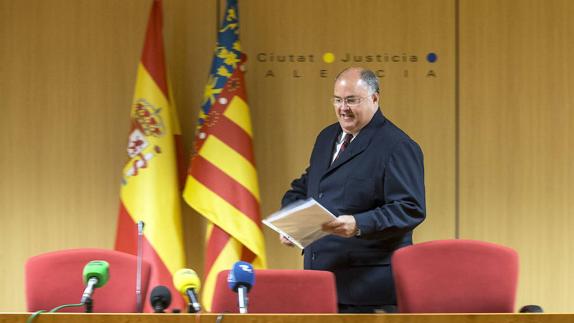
pixel 67 77
pixel 290 111
pixel 516 138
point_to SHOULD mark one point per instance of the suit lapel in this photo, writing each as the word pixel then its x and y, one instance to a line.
pixel 326 147
pixel 359 144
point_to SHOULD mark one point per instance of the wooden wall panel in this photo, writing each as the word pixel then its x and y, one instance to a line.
pixel 292 106
pixel 517 146
pixel 67 79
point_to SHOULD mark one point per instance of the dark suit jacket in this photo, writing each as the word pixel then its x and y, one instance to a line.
pixel 379 179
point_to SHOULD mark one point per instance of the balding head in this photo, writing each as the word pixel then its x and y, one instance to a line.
pixel 356 98
pixel 366 75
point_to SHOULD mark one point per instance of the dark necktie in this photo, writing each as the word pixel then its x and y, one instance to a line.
pixel 346 142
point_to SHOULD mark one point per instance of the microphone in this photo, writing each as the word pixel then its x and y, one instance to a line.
pixel 531 309
pixel 187 283
pixel 96 274
pixel 240 280
pixel 160 298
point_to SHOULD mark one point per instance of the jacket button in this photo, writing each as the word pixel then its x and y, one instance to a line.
pixel 313 255
pixel 321 195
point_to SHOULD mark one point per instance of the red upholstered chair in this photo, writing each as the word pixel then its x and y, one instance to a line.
pixel 55 278
pixel 455 276
pixel 281 291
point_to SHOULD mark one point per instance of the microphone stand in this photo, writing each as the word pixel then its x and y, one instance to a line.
pixel 193 306
pixel 242 298
pixel 139 303
pixel 87 296
pixel 89 305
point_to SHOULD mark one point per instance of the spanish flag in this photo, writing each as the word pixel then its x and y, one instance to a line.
pixel 150 189
pixel 222 180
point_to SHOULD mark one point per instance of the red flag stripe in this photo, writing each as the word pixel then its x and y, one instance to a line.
pixel 247 254
pixel 153 57
pixel 160 274
pixel 217 241
pixel 234 136
pixel 226 187
pixel 180 157
pixel 127 230
pixel 233 87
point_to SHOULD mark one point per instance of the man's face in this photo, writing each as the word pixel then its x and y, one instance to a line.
pixel 349 87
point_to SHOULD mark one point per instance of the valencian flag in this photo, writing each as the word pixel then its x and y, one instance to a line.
pixel 222 179
pixel 150 189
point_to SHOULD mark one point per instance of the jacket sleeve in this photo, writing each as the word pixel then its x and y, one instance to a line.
pixel 297 192
pixel 404 195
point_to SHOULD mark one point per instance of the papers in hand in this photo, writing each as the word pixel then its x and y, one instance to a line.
pixel 300 222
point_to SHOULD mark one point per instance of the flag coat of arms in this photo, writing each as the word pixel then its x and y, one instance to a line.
pixel 150 188
pixel 222 179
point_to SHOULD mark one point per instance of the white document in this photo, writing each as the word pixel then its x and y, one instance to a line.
pixel 300 222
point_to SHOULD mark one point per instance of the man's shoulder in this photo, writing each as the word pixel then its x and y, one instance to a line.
pixel 330 131
pixel 395 129
pixel 390 130
pixel 396 140
pixel 390 138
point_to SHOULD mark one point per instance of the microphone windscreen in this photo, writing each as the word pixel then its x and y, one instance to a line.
pixel 99 269
pixel 160 297
pixel 242 274
pixel 184 279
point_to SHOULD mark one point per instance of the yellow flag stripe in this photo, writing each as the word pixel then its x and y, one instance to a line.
pixel 174 115
pixel 259 263
pixel 153 194
pixel 147 88
pixel 225 215
pixel 238 112
pixel 231 163
pixel 224 261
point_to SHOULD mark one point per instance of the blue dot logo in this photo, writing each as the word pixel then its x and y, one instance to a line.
pixel 432 57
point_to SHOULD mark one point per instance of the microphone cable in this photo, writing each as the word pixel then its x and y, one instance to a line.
pixel 32 317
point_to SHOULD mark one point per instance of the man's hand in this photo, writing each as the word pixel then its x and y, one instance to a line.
pixel 286 241
pixel 344 226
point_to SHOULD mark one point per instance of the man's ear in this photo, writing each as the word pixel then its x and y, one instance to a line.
pixel 376 98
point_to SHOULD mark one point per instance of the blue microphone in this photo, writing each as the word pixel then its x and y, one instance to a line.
pixel 240 279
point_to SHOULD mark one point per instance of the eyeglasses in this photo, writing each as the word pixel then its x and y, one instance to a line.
pixel 351 101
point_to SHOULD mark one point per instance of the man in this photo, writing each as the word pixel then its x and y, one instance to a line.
pixel 370 174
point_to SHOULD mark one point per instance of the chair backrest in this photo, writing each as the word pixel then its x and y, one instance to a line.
pixel 281 291
pixel 455 276
pixel 55 278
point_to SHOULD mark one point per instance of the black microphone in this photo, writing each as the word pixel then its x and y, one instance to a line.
pixel 160 298
pixel 531 309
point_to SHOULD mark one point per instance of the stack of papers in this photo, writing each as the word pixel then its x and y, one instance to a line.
pixel 300 222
